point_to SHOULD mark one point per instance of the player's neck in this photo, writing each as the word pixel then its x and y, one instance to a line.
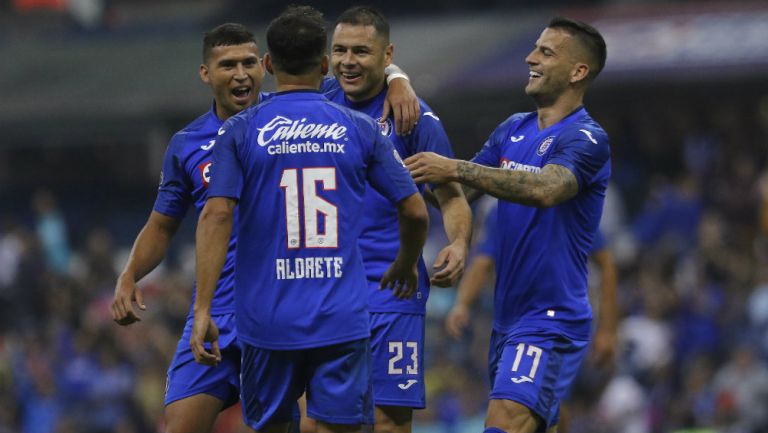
pixel 289 87
pixel 222 113
pixel 549 114
pixel 287 82
pixel 375 90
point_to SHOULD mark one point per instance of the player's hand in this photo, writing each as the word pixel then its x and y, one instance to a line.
pixel 429 167
pixel 401 100
pixel 603 348
pixel 204 330
pixel 449 265
pixel 401 278
pixel 126 294
pixel 457 320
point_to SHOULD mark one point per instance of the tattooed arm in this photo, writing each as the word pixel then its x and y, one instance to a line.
pixel 553 185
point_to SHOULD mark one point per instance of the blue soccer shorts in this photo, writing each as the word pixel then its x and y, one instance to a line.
pixel 187 378
pixel 337 380
pixel 397 347
pixel 534 367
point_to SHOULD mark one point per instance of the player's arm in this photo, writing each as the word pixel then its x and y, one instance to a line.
pixel 604 342
pixel 401 100
pixel 479 271
pixel 211 242
pixel 457 220
pixel 402 275
pixel 471 194
pixel 148 251
pixel 553 185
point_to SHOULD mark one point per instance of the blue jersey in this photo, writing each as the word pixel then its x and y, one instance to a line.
pixel 541 262
pixel 487 245
pixel 184 181
pixel 380 238
pixel 299 165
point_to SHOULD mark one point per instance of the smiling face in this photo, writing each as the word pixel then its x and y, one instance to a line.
pixel 235 74
pixel 359 56
pixel 553 65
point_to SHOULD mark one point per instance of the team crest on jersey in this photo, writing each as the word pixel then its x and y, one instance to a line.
pixel 161 179
pixel 544 146
pixel 205 172
pixel 385 126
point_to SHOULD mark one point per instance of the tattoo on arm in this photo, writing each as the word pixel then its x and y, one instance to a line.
pixel 553 185
pixel 562 182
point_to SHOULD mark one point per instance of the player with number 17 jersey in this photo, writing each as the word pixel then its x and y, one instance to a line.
pixel 542 314
pixel 303 163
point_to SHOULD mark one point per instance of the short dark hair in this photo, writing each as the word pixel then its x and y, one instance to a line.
pixel 589 37
pixel 365 16
pixel 297 39
pixel 224 35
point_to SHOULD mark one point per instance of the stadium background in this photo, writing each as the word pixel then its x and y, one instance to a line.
pixel 91 90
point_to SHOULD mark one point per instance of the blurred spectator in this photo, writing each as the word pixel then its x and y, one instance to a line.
pixel 671 216
pixel 51 231
pixel 622 408
pixel 741 390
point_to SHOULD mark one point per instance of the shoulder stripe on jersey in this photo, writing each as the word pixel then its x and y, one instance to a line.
pixel 589 135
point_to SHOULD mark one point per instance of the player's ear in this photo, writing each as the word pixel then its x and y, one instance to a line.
pixel 324 65
pixel 261 68
pixel 204 74
pixel 388 53
pixel 268 64
pixel 579 72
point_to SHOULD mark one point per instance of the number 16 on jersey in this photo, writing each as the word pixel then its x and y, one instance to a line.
pixel 313 206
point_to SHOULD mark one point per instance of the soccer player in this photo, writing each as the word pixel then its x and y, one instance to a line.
pixel 550 169
pixel 482 267
pixel 298 166
pixel 360 52
pixel 195 394
pixel 232 68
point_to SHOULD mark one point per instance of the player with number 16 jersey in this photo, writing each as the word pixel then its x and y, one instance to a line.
pixel 297 167
pixel 303 162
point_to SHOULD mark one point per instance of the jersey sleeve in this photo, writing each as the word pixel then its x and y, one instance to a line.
pixel 490 154
pixel 429 135
pixel 328 85
pixel 227 168
pixel 487 245
pixel 599 242
pixel 584 152
pixel 386 170
pixel 175 192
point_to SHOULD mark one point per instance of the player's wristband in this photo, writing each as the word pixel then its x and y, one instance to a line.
pixel 391 77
